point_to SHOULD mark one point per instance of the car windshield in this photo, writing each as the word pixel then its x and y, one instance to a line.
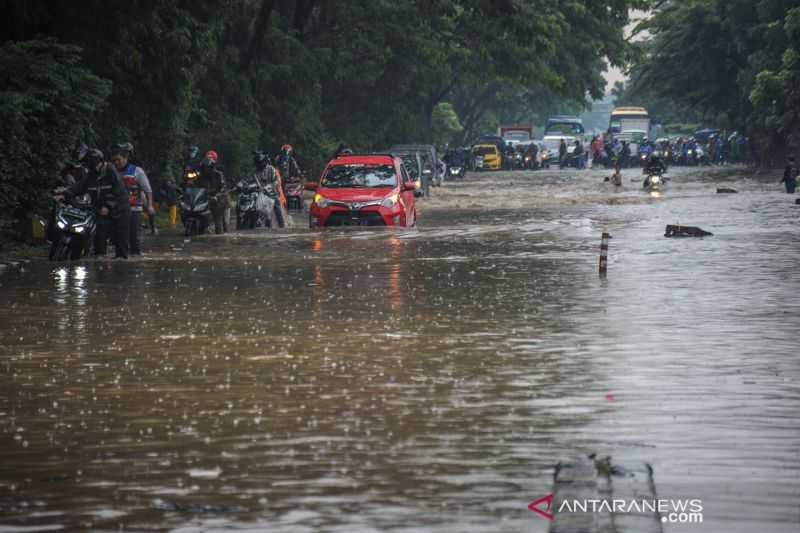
pixel 360 175
pixel 483 150
pixel 563 128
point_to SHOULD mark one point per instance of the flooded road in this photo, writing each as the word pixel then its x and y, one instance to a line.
pixel 416 380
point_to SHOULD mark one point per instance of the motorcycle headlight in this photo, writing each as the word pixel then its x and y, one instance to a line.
pixel 390 201
pixel 690 152
pixel 61 224
pixel 79 229
pixel 321 201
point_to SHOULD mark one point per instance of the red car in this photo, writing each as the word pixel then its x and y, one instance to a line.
pixel 363 190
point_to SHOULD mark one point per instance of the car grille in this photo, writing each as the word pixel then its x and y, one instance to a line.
pixel 355 218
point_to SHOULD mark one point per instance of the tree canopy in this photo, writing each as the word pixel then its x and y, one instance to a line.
pixel 731 63
pixel 238 75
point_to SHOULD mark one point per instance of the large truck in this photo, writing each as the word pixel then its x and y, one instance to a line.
pixel 568 128
pixel 565 126
pixel 630 124
pixel 627 120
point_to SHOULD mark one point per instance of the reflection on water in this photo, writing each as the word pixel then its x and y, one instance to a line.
pixel 426 379
pixel 70 295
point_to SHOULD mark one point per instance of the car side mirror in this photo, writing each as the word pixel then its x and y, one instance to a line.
pixel 311 186
pixel 409 186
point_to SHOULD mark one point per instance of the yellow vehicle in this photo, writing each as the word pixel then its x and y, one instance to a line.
pixel 487 157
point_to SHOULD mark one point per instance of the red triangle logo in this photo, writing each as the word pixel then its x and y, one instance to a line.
pixel 534 506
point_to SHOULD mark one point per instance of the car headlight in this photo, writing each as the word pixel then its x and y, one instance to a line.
pixel 390 201
pixel 321 201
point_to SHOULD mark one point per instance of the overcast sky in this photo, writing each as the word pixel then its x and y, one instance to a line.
pixel 614 74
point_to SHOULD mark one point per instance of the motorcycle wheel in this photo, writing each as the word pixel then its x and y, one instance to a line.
pixel 61 251
pixel 54 249
pixel 75 249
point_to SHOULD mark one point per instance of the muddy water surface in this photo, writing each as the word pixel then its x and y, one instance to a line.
pixel 418 380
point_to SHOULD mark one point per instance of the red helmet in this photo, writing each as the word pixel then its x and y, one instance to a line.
pixel 286 148
pixel 212 155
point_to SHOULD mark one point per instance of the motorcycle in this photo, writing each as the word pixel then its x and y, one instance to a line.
pixel 294 194
pixel 455 171
pixel 518 163
pixel 253 207
pixel 74 230
pixel 654 181
pixel 195 211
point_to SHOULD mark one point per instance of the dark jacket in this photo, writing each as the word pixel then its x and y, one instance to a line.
pixel 212 180
pixel 790 173
pixel 106 189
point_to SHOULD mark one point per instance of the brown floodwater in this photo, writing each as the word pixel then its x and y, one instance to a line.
pixel 414 380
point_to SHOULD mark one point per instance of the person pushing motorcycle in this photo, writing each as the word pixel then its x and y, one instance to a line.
pixel 269 180
pixel 140 194
pixel 109 197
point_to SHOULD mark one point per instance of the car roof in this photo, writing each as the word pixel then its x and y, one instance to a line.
pixel 367 159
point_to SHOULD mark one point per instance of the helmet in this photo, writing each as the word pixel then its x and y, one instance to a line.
pixel 212 155
pixel 192 152
pixel 79 153
pixel 125 149
pixel 93 158
pixel 260 159
pixel 346 151
pixel 286 148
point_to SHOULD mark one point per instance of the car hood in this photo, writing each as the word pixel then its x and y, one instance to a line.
pixel 356 194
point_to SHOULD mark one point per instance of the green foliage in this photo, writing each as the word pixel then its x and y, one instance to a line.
pixel 776 93
pixel 235 76
pixel 730 63
pixel 447 128
pixel 47 103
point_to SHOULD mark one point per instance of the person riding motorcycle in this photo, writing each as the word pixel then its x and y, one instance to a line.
pixel 342 149
pixel 269 180
pixel 653 167
pixel 287 164
pixel 211 179
pixel 109 196
pixel 140 194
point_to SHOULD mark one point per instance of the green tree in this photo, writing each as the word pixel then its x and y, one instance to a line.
pixel 446 126
pixel 47 104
